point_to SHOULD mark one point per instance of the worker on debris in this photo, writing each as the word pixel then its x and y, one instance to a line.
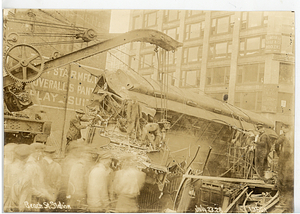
pixel 127 184
pixel 52 171
pixel 99 178
pixel 262 151
pixel 133 113
pixel 74 131
pixel 285 181
pixel 152 132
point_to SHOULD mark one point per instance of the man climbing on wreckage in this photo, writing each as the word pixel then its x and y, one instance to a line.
pixel 74 132
pixel 154 133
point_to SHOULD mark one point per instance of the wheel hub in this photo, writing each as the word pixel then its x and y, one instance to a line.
pixel 24 63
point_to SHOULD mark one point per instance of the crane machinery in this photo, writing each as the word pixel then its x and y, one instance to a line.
pixel 24 64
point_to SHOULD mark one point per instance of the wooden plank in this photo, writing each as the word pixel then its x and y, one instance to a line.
pixel 235 200
pixel 235 180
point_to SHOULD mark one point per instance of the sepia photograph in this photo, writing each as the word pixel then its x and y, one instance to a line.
pixel 148 111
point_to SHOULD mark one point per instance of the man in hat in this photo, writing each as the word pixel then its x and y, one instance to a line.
pixel 285 181
pixel 74 131
pixel 263 148
pixel 99 183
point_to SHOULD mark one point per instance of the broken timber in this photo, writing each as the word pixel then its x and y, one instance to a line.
pixel 235 180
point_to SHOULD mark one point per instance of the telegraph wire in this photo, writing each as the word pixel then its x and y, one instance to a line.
pixel 56 43
pixel 49 14
pixel 42 25
pixel 64 17
pixel 43 22
pixel 47 34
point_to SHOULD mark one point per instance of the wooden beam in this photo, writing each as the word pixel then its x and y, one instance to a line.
pixel 235 200
pixel 234 180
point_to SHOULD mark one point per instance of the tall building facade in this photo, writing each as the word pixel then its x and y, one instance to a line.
pixel 248 56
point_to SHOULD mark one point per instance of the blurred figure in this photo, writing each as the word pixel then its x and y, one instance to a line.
pixel 7 162
pixel 14 163
pixel 263 148
pixel 127 185
pixel 72 156
pixel 285 181
pixel 52 171
pixel 98 199
pixel 34 190
pixel 77 182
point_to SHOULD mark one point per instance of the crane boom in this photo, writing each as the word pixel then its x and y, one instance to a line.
pixel 145 35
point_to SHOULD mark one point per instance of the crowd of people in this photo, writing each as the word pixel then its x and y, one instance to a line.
pixel 86 180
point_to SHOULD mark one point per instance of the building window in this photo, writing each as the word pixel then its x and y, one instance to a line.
pixel 195 30
pixel 248 100
pixel 286 73
pixel 171 15
pixel 133 62
pixel 222 25
pixel 285 103
pixel 251 73
pixel 148 76
pixel 135 22
pixel 254 19
pixel 189 78
pixel 171 58
pixel 192 54
pixel 287 45
pixel 147 61
pixel 218 76
pixel 190 13
pixel 169 78
pixel 253 45
pixel 134 45
pixel 220 50
pixel 150 19
pixel 173 32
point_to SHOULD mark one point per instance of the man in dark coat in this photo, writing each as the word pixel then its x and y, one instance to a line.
pixel 262 150
pixel 74 132
pixel 285 182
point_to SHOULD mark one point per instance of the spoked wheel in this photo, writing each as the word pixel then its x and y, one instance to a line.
pixel 24 63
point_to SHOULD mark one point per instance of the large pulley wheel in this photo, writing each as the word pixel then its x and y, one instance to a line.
pixel 24 63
